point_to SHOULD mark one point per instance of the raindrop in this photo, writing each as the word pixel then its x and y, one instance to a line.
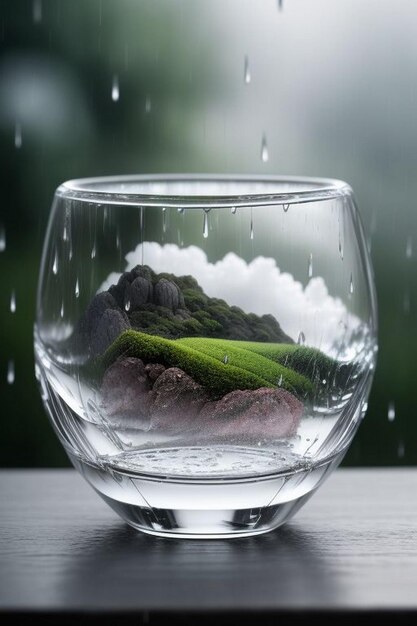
pixel 340 236
pixel 37 11
pixel 251 224
pixel 13 302
pixel 62 309
pixel 391 412
pixel 409 248
pixel 264 150
pixel 401 450
pixel 65 234
pixel 205 225
pixel 77 289
pixel 2 238
pixel 148 104
pixel 55 264
pixel 246 71
pixel 127 304
pixel 280 3
pixel 93 251
pixel 180 209
pixel 324 381
pixel 164 219
pixel 17 136
pixel 225 359
pixel 310 265
pixel 285 207
pixel 301 339
pixel 280 381
pixel 70 252
pixel 117 241
pixel 233 210
pixel 351 285
pixel 10 372
pixel 115 89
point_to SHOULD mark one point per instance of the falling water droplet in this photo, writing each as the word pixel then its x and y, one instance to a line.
pixel 264 150
pixel 115 94
pixel 285 207
pixel 164 219
pixel 280 381
pixel 117 241
pixel 310 265
pixel 127 304
pixel 55 264
pixel 401 450
pixel 280 3
pixel 2 238
pixel 65 234
pixel 233 210
pixel 70 252
pixel 13 302
pixel 246 71
pixel 18 136
pixel 225 359
pixel 340 247
pixel 251 224
pixel 205 225
pixel 391 412
pixel 148 104
pixel 37 11
pixel 93 251
pixel 409 248
pixel 351 285
pixel 10 372
pixel 62 309
pixel 77 289
pixel 301 339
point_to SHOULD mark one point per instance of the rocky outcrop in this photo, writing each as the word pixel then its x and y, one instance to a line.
pixel 124 393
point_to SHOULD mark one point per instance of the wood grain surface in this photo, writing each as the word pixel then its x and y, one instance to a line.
pixel 351 549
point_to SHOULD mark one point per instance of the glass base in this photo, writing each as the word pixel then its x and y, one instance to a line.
pixel 199 509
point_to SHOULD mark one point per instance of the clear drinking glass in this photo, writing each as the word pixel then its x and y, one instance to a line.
pixel 205 345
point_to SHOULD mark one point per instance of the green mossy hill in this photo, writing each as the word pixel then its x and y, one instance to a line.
pixel 176 306
pixel 221 366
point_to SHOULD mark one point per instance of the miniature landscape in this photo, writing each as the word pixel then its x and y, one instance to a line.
pixel 174 360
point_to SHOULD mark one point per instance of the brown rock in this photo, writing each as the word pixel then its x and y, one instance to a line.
pixel 154 370
pixel 175 401
pixel 124 393
pixel 250 413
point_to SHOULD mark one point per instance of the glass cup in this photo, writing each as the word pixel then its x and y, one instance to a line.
pixel 205 345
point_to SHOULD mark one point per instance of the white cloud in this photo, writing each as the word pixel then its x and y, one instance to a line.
pixel 256 287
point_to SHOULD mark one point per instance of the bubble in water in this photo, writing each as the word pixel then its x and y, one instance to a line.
pixel 301 339
pixel 13 302
pixel 251 224
pixel 148 104
pixel 409 248
pixel 55 264
pixel 225 359
pixel 279 383
pixel 401 450
pixel 93 251
pixel 18 136
pixel 11 376
pixel 391 412
pixel 285 207
pixel 310 265
pixel 2 238
pixel 77 289
pixel 205 225
pixel 37 11
pixel 264 150
pixel 233 210
pixel 246 71
pixel 115 94
pixel 351 285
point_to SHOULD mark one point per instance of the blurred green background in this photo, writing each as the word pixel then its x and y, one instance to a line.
pixel 333 87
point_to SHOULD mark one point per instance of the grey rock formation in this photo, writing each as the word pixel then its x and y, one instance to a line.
pixel 124 393
pixel 140 291
pixel 112 324
pixel 154 370
pixel 167 294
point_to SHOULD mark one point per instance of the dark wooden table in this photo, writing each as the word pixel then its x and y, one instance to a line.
pixel 350 553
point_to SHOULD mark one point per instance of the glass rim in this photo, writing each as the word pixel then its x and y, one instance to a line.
pixel 299 189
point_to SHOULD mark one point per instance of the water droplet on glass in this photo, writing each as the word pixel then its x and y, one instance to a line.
pixel 401 450
pixel 55 263
pixel 10 372
pixel 13 302
pixel 280 381
pixel 285 207
pixel 310 265
pixel 115 94
pixel 264 150
pixel 93 252
pixel 246 71
pixel 18 136
pixel 233 210
pixel 301 339
pixel 2 238
pixel 409 248
pixel 351 285
pixel 205 225
pixel 251 224
pixel 391 412
pixel 225 359
pixel 148 104
pixel 37 11
pixel 77 289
